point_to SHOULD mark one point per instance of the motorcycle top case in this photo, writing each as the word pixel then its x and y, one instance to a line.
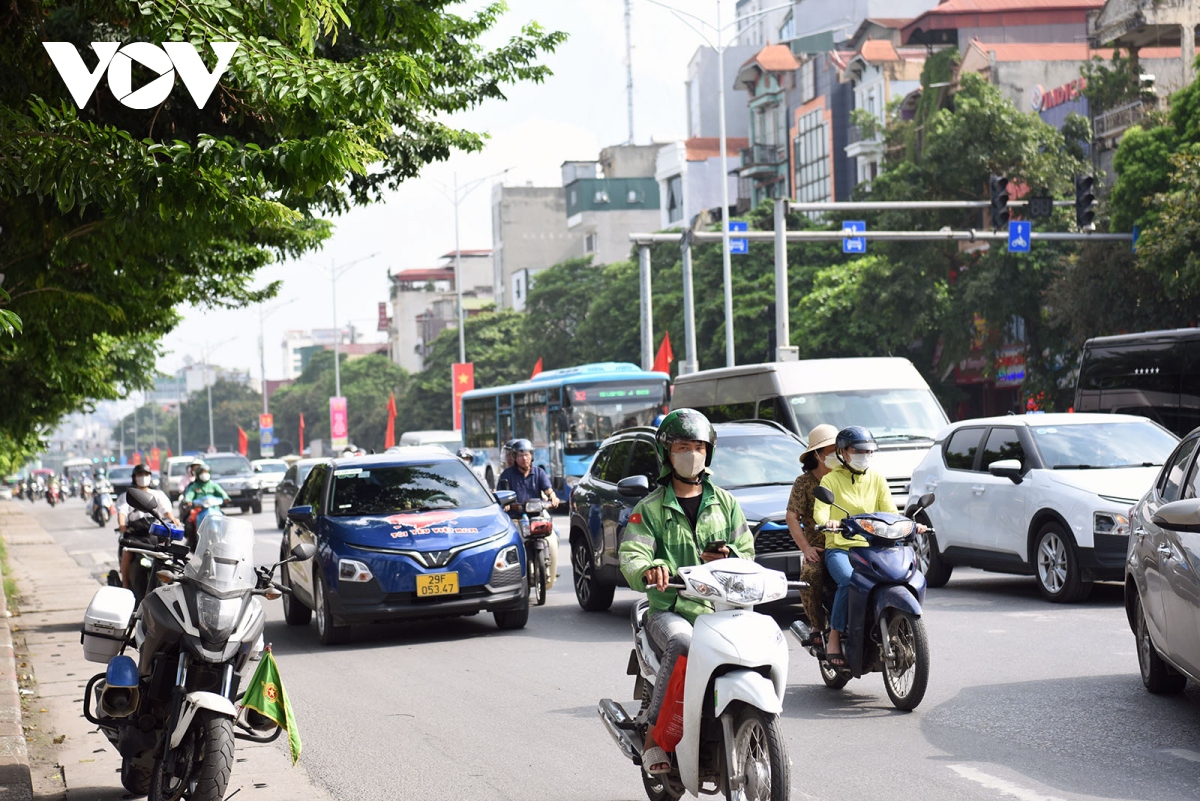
pixel 105 623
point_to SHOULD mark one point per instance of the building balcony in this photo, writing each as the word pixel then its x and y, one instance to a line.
pixel 762 159
pixel 859 145
pixel 1113 123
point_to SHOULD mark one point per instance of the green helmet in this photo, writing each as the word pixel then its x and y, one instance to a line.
pixel 685 424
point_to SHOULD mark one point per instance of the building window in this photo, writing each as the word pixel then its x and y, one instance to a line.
pixel 633 196
pixel 675 198
pixel 601 196
pixel 812 158
pixel 589 243
pixel 807 81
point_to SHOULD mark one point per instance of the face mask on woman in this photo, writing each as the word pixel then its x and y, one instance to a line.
pixel 860 461
pixel 142 481
pixel 688 465
pixel 831 460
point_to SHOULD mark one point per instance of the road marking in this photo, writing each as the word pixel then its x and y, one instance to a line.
pixel 1000 785
pixel 1183 753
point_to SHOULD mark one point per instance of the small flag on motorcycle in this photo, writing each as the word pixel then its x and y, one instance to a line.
pixel 266 696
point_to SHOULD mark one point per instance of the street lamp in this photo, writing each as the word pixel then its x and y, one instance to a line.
pixel 335 272
pixel 263 314
pixel 719 46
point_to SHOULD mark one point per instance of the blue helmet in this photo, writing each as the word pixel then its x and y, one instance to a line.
pixel 856 437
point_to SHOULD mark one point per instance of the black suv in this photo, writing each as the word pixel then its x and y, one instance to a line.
pixel 756 461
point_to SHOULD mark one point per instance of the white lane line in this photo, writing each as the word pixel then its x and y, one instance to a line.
pixel 1000 785
pixel 1183 753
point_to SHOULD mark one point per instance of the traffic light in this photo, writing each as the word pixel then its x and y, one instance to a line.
pixel 999 209
pixel 1085 200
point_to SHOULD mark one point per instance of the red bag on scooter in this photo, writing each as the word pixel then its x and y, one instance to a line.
pixel 668 731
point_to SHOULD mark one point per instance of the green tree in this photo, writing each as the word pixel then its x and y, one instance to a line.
pixel 112 218
pixel 140 426
pixel 1113 84
pixel 233 405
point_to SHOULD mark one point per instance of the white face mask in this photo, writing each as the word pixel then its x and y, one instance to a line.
pixel 688 465
pixel 860 461
pixel 831 460
pixel 142 481
pixel 205 476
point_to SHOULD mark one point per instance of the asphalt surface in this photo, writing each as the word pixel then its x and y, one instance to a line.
pixel 1027 700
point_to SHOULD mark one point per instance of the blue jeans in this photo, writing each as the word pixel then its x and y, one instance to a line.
pixel 838 562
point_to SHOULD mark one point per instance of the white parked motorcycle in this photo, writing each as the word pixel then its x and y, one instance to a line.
pixel 733 689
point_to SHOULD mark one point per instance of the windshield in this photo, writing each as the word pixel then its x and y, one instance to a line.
pixel 406 488
pixel 120 473
pixel 178 469
pixel 596 412
pixel 272 467
pixel 1097 445
pixel 892 415
pixel 223 562
pixel 755 461
pixel 227 465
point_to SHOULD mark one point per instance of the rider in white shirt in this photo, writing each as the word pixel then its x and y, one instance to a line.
pixel 135 524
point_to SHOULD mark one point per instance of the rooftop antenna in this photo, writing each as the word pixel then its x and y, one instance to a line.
pixel 629 67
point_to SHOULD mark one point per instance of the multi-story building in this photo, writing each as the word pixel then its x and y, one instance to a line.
pixel 529 234
pixel 703 86
pixel 767 78
pixel 689 175
pixel 960 22
pixel 424 302
pixel 612 199
pixel 759 22
pixel 299 345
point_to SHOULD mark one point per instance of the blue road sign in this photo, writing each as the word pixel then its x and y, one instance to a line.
pixel 739 245
pixel 1136 234
pixel 1019 234
pixel 854 244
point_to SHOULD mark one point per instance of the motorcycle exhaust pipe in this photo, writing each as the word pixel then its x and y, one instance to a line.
pixel 802 632
pixel 620 727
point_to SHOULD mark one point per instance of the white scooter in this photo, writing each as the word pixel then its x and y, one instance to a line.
pixel 733 689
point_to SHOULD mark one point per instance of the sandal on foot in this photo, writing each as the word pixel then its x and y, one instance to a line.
pixel 837 661
pixel 655 761
pixel 814 640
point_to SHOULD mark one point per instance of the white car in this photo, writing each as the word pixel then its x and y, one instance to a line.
pixel 1046 495
pixel 270 472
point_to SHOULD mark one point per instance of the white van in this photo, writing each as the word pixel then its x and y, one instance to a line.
pixel 451 439
pixel 886 395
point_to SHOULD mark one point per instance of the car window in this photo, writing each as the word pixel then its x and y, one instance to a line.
pixel 960 450
pixel 310 494
pixel 599 462
pixel 614 468
pixel 1171 485
pixel 290 475
pixel 727 412
pixel 1002 443
pixel 272 467
pixel 1191 488
pixel 644 462
pixel 756 461
pixel 1089 446
pixel 228 465
pixel 392 489
pixel 178 469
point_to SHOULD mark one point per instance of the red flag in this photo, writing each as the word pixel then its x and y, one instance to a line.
pixel 136 458
pixel 155 458
pixel 389 438
pixel 662 362
pixel 301 433
pixel 537 368
pixel 462 377
pixel 168 453
pixel 243 443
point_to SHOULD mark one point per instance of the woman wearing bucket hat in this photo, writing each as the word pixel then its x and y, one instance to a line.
pixel 809 538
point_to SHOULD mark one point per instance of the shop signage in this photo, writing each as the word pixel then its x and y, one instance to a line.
pixel 1044 100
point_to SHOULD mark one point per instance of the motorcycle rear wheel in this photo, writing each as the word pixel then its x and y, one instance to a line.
pixel 539 580
pixel 834 679
pixel 906 672
pixel 135 778
pixel 762 756
pixel 205 758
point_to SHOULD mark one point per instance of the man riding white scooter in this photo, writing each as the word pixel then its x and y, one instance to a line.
pixel 688 520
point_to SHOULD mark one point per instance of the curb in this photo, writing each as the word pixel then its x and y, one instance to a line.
pixel 15 781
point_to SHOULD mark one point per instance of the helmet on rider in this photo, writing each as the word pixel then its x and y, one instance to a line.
pixel 684 425
pixel 856 447
pixel 520 446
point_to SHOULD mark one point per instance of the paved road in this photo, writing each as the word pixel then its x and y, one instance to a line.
pixel 1027 701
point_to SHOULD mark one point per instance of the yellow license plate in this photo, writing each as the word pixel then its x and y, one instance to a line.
pixel 435 584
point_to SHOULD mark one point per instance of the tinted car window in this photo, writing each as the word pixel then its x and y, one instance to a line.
pixel 644 462
pixel 1172 480
pixel 120 473
pixel 727 412
pixel 390 489
pixel 599 462
pixel 178 469
pixel 614 468
pixel 1191 489
pixel 227 465
pixel 1002 443
pixel 756 461
pixel 313 490
pixel 960 450
pixel 290 475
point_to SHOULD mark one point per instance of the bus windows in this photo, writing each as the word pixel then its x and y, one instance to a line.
pixel 479 423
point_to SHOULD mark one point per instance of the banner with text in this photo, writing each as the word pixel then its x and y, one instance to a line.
pixel 339 436
pixel 463 378
pixel 266 434
pixel 383 317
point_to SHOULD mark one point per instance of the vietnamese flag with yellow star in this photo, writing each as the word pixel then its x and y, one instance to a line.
pixel 462 374
pixel 266 696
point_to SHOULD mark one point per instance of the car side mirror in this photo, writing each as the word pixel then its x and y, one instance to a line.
pixel 633 487
pixel 1179 516
pixel 300 514
pixel 304 551
pixel 505 497
pixel 1007 468
pixel 466 454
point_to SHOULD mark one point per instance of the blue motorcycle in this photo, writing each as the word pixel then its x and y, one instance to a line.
pixel 884 632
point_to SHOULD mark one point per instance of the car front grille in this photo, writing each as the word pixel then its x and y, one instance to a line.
pixel 773 537
pixel 899 486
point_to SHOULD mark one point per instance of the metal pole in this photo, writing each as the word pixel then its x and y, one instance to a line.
pixel 647 309
pixel 905 205
pixel 783 337
pixel 154 423
pixel 337 335
pixel 726 266
pixel 208 385
pixel 462 336
pixel 136 435
pixel 629 68
pixel 179 414
pixel 969 235
pixel 690 364
pixel 262 357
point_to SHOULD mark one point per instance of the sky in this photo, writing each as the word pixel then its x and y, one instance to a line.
pixel 574 113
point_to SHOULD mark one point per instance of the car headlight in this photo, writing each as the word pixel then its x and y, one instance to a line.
pixel 352 570
pixel 888 531
pixel 217 616
pixel 508 558
pixel 1110 523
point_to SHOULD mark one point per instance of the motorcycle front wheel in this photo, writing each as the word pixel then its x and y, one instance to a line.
pixel 761 755
pixel 659 789
pixel 906 671
pixel 539 580
pixel 203 762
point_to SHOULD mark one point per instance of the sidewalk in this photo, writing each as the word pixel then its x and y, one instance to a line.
pixel 70 759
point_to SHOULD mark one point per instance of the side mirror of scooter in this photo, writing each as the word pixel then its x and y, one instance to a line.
pixel 924 502
pixel 140 500
pixel 303 552
pixel 825 495
pixel 634 487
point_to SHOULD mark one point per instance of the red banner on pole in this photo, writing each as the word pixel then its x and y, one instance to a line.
pixel 339 428
pixel 389 436
pixel 301 450
pixel 383 317
pixel 462 375
pixel 243 441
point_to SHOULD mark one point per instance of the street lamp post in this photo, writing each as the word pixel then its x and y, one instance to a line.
pixel 263 314
pixel 719 46
pixel 336 272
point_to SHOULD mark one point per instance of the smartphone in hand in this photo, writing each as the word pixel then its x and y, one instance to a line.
pixel 715 546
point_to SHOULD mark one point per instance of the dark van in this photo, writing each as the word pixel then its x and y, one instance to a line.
pixel 1155 374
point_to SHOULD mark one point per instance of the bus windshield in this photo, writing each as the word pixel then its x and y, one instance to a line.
pixel 596 411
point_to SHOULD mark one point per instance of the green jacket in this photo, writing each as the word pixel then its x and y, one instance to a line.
pixel 658 533
pixel 200 489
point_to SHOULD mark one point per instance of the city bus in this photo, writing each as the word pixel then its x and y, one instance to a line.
pixel 565 413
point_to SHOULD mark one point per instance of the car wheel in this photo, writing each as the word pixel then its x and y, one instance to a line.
pixel 929 560
pixel 327 631
pixel 509 619
pixel 257 507
pixel 589 592
pixel 1056 566
pixel 279 522
pixel 1159 677
pixel 294 612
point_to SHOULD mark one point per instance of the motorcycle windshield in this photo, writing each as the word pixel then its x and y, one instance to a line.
pixel 223 562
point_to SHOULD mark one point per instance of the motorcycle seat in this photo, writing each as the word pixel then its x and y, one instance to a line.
pixel 641 618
